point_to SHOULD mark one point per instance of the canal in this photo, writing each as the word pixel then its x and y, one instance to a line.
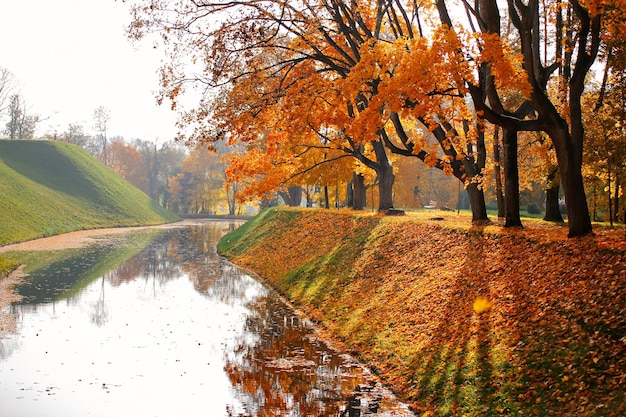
pixel 154 323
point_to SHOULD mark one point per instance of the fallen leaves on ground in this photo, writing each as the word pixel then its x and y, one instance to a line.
pixel 460 319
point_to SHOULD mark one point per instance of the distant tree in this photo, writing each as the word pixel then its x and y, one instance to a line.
pixel 128 163
pixel 76 135
pixel 21 124
pixel 101 119
pixel 160 164
pixel 199 187
pixel 15 115
pixel 7 84
pixel 605 149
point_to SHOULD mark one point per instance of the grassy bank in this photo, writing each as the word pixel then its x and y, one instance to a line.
pixel 7 266
pixel 460 320
pixel 49 188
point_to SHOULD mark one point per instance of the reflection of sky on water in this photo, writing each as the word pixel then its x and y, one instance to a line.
pixel 172 330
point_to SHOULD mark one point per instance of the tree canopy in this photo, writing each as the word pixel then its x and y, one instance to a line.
pixel 306 84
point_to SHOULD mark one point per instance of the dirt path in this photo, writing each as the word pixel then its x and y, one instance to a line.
pixel 82 238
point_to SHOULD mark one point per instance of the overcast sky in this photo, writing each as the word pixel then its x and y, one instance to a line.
pixel 72 56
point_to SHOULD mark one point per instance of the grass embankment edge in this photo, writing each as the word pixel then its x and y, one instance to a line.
pixel 459 320
pixel 49 188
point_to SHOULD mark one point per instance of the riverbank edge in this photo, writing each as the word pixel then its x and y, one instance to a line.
pixel 9 266
pixel 456 320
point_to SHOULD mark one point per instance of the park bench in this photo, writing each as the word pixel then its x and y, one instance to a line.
pixel 431 205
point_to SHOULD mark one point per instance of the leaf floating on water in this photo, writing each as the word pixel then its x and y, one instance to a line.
pixel 287 364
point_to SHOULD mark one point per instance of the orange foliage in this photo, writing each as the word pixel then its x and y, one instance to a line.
pixel 128 163
pixel 506 66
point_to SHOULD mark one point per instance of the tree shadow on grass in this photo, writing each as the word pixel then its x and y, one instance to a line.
pixel 455 375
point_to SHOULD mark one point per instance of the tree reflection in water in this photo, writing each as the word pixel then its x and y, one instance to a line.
pixel 274 362
pixel 279 367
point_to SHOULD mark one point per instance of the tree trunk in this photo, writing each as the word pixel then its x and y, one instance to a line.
pixel 569 157
pixel 384 172
pixel 498 173
pixel 358 192
pixel 326 203
pixel 295 195
pixel 608 194
pixel 477 203
pixel 511 180
pixel 576 203
pixel 616 199
pixel 385 188
pixel 350 194
pixel 474 166
pixel 553 211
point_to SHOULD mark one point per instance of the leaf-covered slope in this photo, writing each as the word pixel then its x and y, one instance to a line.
pixel 49 188
pixel 460 320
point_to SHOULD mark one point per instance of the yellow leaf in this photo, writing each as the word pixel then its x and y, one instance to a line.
pixel 481 304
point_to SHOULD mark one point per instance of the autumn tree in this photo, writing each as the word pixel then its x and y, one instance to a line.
pixel 321 44
pixel 571 32
pixel 605 147
pixel 263 44
pixel 126 161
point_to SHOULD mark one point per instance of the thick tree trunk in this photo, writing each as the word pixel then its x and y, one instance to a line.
pixel 477 203
pixel 293 196
pixel 384 172
pixel 358 192
pixel 577 211
pixel 385 188
pixel 553 211
pixel 569 157
pixel 511 180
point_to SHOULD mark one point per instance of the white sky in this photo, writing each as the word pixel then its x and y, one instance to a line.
pixel 72 56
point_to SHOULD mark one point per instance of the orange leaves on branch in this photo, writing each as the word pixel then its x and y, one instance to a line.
pixel 505 64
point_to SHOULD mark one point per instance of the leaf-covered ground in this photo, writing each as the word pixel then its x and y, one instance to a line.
pixel 459 319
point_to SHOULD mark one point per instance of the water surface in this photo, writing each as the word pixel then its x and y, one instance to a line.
pixel 154 323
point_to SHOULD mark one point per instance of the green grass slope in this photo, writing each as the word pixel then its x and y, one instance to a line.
pixel 461 320
pixel 48 188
